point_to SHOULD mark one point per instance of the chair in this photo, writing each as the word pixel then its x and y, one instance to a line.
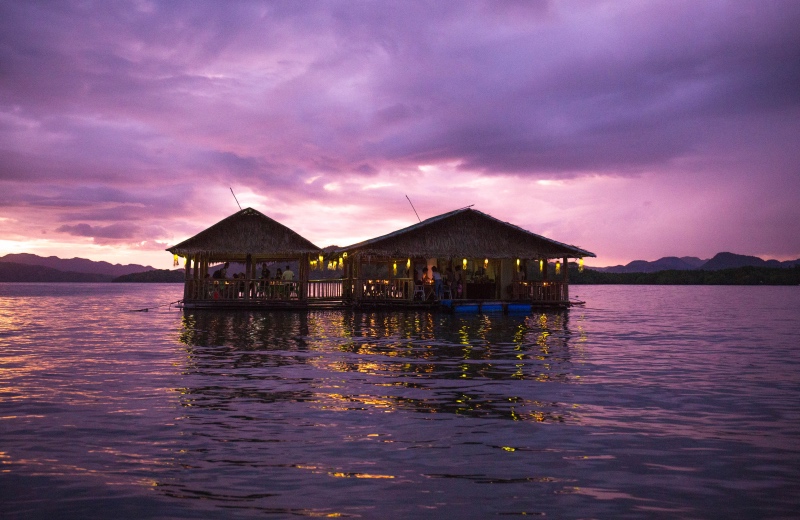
pixel 419 290
pixel 447 294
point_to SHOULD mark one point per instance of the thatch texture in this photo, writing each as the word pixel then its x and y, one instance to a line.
pixel 243 233
pixel 465 233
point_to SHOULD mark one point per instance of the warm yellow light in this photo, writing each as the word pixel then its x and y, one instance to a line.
pixel 394 268
pixel 341 262
pixel 580 265
pixel 517 264
pixel 485 263
pixel 408 264
pixel 541 265
pixel 464 263
pixel 558 267
pixel 321 258
pixel 174 260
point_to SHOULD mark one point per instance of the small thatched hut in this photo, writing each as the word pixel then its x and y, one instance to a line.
pixel 250 238
pixel 479 256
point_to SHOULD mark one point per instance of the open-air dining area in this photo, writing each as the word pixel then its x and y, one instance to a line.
pixel 250 260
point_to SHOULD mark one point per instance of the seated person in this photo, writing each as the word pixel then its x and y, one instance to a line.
pixel 222 272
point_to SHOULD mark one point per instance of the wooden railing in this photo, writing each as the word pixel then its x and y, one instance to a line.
pixel 325 289
pixel 337 290
pixel 375 290
pixel 262 290
pixel 540 291
pixel 242 290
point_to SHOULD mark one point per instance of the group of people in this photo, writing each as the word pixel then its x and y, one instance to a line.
pixel 259 289
pixel 452 279
pixel 287 275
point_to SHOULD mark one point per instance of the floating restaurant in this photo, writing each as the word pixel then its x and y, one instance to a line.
pixel 463 260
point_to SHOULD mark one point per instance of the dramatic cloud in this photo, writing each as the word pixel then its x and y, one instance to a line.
pixel 633 129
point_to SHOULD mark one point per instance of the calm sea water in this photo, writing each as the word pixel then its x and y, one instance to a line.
pixel 649 402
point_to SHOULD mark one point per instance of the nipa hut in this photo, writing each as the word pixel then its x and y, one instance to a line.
pixel 249 238
pixel 478 257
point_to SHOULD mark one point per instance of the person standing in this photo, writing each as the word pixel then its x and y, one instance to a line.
pixel 437 282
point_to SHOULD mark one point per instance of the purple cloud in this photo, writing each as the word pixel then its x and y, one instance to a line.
pixel 113 114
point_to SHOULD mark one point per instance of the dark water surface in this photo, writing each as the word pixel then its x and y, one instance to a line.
pixel 649 402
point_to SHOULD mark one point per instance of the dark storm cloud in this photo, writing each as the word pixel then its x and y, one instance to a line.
pixel 522 90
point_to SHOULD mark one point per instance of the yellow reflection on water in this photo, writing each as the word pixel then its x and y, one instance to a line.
pixel 339 474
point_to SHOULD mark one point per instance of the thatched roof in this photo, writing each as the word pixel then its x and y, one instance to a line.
pixel 243 233
pixel 466 233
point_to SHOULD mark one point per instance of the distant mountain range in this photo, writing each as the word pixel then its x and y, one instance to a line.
pixel 14 272
pixel 686 263
pixel 25 267
pixel 76 265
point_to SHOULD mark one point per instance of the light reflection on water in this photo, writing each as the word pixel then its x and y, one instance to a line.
pixel 650 402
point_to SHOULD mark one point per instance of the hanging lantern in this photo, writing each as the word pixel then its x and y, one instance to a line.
pixel 558 267
pixel 541 266
pixel 485 263
pixel 344 254
pixel 517 264
pixel 321 258
pixel 580 265
pixel 174 260
pixel 341 262
pixel 394 269
pixel 464 263
pixel 408 264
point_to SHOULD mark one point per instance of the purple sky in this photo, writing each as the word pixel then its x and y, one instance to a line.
pixel 635 130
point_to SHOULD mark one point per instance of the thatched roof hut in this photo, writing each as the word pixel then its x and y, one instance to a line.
pixel 465 233
pixel 243 233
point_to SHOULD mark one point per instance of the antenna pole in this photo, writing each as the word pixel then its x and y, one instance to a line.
pixel 237 200
pixel 415 209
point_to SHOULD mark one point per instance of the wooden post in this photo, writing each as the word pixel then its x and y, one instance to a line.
pixel 566 279
pixel 357 285
pixel 187 277
pixel 303 275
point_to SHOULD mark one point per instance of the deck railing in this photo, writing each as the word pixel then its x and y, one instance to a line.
pixel 262 290
pixel 242 290
pixel 325 289
pixel 377 290
pixel 540 291
pixel 337 290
